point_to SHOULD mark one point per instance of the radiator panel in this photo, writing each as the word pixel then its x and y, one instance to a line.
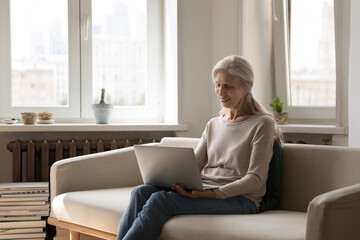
pixel 38 156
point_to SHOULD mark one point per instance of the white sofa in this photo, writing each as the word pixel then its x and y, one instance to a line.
pixel 320 200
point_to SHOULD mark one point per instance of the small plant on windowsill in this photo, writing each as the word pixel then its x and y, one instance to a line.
pixel 102 111
pixel 280 116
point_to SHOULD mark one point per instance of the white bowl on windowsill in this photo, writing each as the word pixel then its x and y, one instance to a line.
pixel 49 121
pixel 10 120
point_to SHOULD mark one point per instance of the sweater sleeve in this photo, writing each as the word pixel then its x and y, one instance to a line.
pixel 256 175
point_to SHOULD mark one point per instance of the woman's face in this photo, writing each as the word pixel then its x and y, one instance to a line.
pixel 230 93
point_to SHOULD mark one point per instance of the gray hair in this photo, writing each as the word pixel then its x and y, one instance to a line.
pixel 237 67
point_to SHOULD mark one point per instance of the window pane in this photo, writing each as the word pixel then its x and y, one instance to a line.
pixel 119 50
pixel 312 53
pixel 39 52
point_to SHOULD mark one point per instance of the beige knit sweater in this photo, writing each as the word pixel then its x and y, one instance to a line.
pixel 236 156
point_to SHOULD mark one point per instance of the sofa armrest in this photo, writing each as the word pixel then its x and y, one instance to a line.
pixel 335 215
pixel 110 169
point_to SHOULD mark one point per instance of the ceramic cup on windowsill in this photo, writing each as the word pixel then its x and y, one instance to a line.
pixel 45 118
pixel 29 118
pixel 102 112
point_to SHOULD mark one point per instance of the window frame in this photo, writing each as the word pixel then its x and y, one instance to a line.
pixel 72 110
pixel 80 69
pixel 302 114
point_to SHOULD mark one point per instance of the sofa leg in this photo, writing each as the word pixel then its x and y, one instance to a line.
pixel 74 235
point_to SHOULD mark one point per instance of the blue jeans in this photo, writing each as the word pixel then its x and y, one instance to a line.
pixel 150 207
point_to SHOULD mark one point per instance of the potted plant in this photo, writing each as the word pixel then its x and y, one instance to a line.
pixel 102 111
pixel 280 116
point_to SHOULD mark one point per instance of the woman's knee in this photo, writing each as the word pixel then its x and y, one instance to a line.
pixel 161 199
pixel 144 190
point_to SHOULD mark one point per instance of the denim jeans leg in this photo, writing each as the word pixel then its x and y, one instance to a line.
pixel 163 205
pixel 139 196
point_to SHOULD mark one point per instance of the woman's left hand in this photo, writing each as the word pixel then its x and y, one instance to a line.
pixel 209 194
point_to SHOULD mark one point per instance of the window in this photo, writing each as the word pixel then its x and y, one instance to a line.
pixel 57 55
pixel 119 48
pixel 308 72
pixel 39 53
pixel 312 53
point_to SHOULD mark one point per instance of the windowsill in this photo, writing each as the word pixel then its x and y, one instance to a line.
pixel 91 127
pixel 314 129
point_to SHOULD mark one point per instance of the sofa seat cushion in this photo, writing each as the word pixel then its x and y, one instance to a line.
pixel 275 225
pixel 102 210
pixel 97 209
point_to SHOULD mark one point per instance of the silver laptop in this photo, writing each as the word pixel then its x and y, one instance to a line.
pixel 162 166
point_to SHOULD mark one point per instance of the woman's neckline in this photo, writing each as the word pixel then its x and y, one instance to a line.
pixel 238 120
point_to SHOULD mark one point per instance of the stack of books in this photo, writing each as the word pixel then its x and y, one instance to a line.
pixel 24 208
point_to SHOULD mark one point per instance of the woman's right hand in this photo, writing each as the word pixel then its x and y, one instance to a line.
pixel 195 194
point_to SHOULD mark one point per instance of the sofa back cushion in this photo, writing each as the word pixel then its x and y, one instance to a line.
pixel 310 170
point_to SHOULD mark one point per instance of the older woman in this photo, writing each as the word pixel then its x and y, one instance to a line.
pixel 234 154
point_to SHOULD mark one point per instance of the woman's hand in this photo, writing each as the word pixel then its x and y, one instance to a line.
pixel 209 194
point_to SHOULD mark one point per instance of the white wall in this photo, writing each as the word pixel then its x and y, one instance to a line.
pixel 195 63
pixel 257 47
pixel 226 36
pixel 354 76
pixel 209 31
